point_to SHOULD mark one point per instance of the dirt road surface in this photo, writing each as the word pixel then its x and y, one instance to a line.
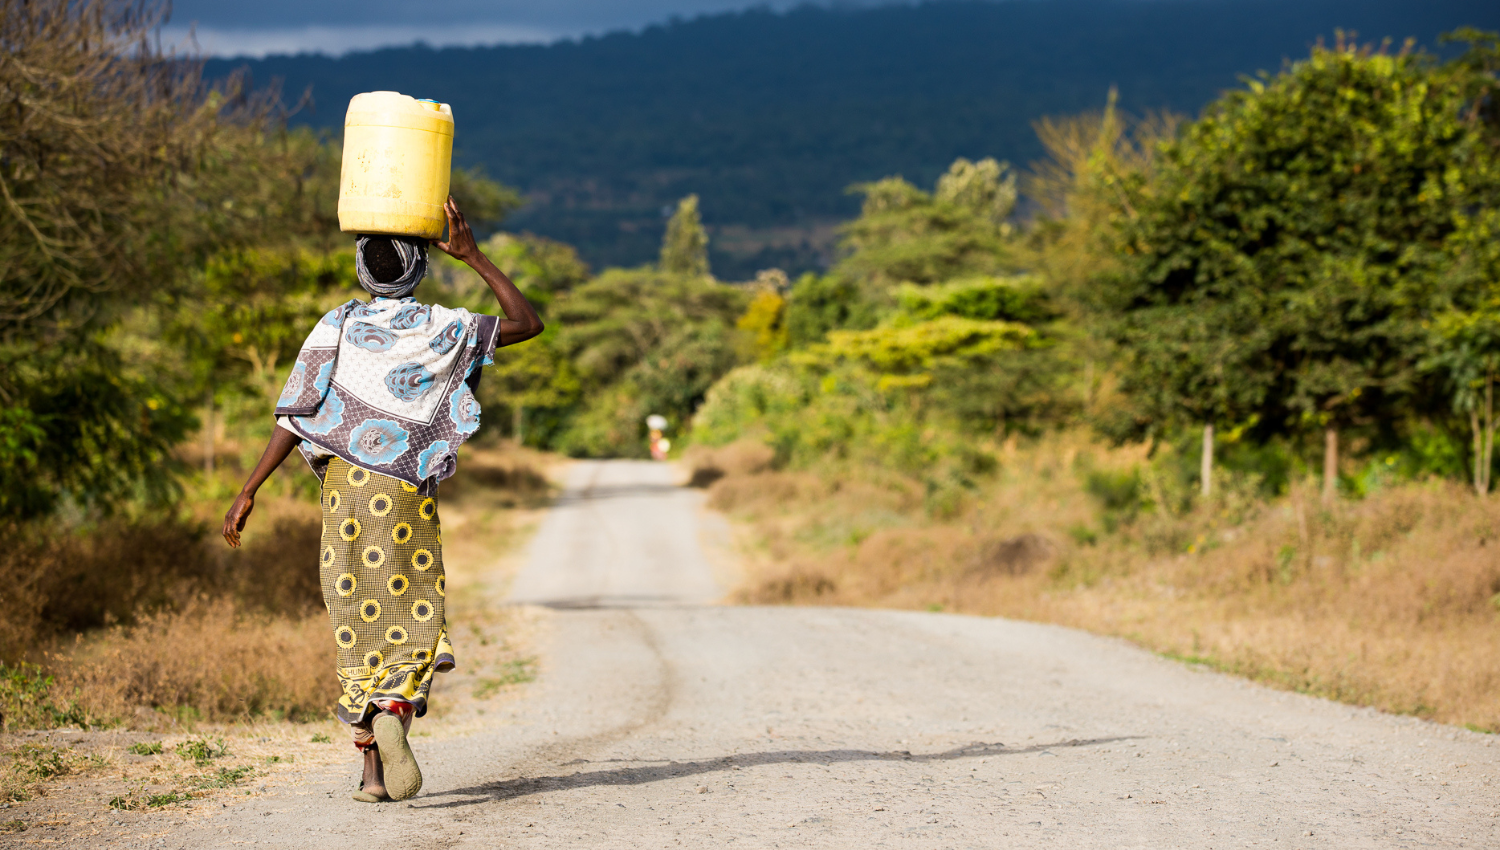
pixel 662 720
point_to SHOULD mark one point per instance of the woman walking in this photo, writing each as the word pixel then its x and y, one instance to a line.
pixel 378 402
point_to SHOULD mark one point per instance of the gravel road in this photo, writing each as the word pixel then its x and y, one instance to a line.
pixel 662 720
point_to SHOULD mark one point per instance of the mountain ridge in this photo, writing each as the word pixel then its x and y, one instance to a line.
pixel 769 116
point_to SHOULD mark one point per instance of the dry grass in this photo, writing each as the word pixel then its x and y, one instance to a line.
pixel 1389 601
pixel 154 622
pixel 208 661
pixel 211 669
pixel 235 666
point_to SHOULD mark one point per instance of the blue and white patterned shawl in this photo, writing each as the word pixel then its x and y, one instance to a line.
pixel 388 385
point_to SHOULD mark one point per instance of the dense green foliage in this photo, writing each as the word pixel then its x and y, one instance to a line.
pixel 167 245
pixel 123 175
pixel 1283 264
pixel 1314 255
pixel 1317 251
pixel 768 116
pixel 920 340
pixel 618 347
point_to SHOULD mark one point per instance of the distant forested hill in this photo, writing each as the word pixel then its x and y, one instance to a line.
pixel 769 117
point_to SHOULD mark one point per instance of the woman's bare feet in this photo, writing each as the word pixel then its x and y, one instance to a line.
pixel 372 786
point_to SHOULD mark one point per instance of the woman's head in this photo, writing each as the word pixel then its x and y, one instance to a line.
pixel 382 259
pixel 390 266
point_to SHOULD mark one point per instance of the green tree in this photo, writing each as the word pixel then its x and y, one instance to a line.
pixel 535 377
pixel 1466 337
pixel 905 235
pixel 643 341
pixel 818 304
pixel 684 249
pixel 122 174
pixel 1467 353
pixel 485 202
pixel 1277 267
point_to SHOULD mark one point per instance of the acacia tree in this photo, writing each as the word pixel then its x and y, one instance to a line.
pixel 1078 190
pixel 905 235
pixel 1278 267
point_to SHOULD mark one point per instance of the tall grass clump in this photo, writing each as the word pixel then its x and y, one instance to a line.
pixel 208 660
pixel 156 613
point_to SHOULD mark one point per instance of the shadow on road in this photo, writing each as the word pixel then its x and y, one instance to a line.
pixel 525 786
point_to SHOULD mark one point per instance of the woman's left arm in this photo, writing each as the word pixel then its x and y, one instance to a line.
pixel 521 321
pixel 281 444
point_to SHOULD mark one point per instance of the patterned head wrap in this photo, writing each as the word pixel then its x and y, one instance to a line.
pixel 413 252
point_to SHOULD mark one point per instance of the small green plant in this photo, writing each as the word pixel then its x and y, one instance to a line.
pixel 511 673
pixel 146 748
pixel 1082 534
pixel 1284 557
pixel 138 799
pixel 321 738
pixel 36 762
pixel 201 750
pixel 13 826
pixel 27 701
pixel 23 694
pixel 279 759
pixel 226 777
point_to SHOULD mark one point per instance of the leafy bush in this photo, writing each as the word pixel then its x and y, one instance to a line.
pixel 28 701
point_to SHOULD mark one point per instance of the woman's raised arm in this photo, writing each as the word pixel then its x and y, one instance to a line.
pixel 521 321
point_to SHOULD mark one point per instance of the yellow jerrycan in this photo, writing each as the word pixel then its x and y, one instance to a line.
pixel 398 158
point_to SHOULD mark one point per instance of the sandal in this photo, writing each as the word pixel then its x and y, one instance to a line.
pixel 363 796
pixel 403 778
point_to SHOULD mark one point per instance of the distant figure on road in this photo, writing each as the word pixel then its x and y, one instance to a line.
pixel 379 400
pixel 659 445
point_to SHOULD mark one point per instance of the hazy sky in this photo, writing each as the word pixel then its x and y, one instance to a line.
pixel 258 27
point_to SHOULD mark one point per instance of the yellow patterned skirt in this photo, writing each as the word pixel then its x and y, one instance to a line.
pixel 382 572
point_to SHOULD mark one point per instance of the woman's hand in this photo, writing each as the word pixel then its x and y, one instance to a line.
pixel 460 244
pixel 281 444
pixel 234 520
pixel 521 321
